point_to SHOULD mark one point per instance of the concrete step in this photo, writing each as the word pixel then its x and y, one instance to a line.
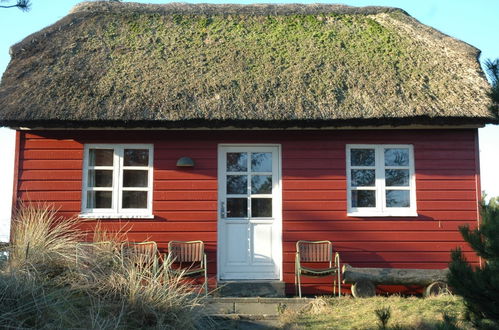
pixel 266 307
pixel 250 289
pixel 246 321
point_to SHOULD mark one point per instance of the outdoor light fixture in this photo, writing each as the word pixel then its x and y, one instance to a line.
pixel 185 162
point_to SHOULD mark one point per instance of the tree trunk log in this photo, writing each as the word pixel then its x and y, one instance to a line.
pixel 394 276
pixel 436 289
pixel 363 289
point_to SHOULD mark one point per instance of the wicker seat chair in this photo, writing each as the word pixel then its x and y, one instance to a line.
pixel 316 252
pixel 144 253
pixel 190 258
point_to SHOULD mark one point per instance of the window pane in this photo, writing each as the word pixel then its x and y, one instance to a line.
pixel 100 178
pixel 261 184
pixel 136 157
pixel 100 157
pixel 134 200
pixel 397 178
pixel 261 207
pixel 237 184
pixel 398 198
pixel 237 161
pixel 363 178
pixel 363 198
pixel 362 157
pixel 237 207
pixel 99 199
pixel 135 178
pixel 261 162
pixel 396 157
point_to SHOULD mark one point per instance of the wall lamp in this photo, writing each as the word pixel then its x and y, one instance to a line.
pixel 185 162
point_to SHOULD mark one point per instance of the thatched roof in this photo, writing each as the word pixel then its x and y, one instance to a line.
pixel 183 65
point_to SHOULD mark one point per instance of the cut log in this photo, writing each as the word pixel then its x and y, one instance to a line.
pixel 394 276
pixel 436 288
pixel 363 289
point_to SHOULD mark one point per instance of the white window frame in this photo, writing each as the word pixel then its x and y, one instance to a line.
pixel 116 211
pixel 381 210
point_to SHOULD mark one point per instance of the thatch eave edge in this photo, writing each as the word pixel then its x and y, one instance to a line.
pixel 246 124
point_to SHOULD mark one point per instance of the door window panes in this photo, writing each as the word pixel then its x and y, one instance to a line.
pixel 237 207
pixel 237 162
pixel 261 162
pixel 237 184
pixel 261 207
pixel 261 184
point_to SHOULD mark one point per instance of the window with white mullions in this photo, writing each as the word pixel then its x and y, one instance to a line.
pixel 249 184
pixel 117 180
pixel 381 180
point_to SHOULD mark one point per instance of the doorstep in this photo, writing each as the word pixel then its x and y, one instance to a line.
pixel 269 289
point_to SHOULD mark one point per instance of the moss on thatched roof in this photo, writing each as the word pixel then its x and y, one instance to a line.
pixel 182 65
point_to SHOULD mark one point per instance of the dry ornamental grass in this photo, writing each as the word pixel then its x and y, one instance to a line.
pixel 49 281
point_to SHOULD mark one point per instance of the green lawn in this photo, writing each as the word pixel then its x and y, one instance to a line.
pixel 351 313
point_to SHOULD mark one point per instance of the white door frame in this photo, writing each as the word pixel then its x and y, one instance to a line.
pixel 277 212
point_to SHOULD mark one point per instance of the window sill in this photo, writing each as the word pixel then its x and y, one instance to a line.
pixel 381 215
pixel 115 216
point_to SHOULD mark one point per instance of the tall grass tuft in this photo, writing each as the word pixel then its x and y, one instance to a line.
pixel 140 294
pixel 53 281
pixel 152 295
pixel 42 242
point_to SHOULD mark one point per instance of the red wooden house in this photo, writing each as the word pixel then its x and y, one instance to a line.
pixel 252 127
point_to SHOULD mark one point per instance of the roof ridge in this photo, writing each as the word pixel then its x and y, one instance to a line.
pixel 229 9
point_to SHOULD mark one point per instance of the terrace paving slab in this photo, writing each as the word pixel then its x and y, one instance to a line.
pixel 255 305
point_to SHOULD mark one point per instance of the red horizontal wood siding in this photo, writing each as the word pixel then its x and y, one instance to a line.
pixel 313 187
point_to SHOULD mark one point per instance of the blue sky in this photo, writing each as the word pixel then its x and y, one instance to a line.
pixel 475 22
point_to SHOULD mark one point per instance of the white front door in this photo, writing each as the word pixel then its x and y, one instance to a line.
pixel 249 212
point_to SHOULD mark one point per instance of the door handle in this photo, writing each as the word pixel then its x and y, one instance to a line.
pixel 222 210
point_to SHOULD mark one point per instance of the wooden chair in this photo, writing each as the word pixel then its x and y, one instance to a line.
pixel 145 253
pixel 190 253
pixel 311 252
